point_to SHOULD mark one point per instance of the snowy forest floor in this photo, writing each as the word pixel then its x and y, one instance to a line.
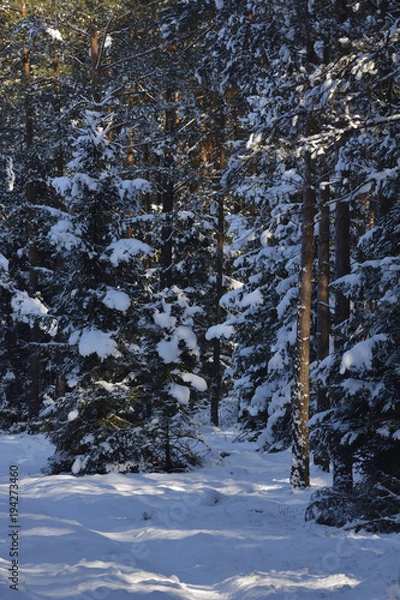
pixel 230 530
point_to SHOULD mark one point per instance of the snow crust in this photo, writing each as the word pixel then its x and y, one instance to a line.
pixel 232 530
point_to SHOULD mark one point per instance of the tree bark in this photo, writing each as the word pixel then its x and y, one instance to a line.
pixel 167 196
pixel 321 457
pixel 34 362
pixel 219 164
pixel 342 464
pixel 300 473
pixel 95 62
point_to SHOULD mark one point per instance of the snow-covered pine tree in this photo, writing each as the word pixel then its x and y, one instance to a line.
pixel 354 430
pixel 169 380
pixel 28 48
pixel 101 286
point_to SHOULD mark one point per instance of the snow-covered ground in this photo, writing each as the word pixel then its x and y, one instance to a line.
pixel 231 530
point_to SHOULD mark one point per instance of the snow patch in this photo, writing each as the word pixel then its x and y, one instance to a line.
pixel 73 414
pixel 132 187
pixel 117 300
pixel 168 350
pixel 197 382
pixel 360 356
pixel 164 320
pixel 181 393
pixel 124 250
pixel 219 331
pixel 95 341
pixel 24 307
pixel 62 235
pixel 54 34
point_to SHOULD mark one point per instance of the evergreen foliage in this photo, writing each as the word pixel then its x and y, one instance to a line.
pixel 193 195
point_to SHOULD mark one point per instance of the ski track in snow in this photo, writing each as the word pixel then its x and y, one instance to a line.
pixel 232 530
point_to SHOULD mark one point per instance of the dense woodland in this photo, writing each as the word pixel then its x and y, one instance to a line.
pixel 200 215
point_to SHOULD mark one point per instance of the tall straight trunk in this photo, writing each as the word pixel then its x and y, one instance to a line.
pixel 216 389
pixel 219 164
pixel 342 465
pixel 167 195
pixel 34 361
pixel 300 472
pixel 95 62
pixel 321 457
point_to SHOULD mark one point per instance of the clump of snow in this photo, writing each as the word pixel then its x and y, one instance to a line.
pixel 360 356
pixel 10 174
pixel 132 187
pixel 181 393
pixel 63 235
pixel 164 319
pixel 79 464
pixel 168 350
pixel 197 382
pixel 73 414
pixel 24 307
pixel 54 34
pixel 117 300
pixel 95 341
pixel 219 4
pixel 219 331
pixel 125 249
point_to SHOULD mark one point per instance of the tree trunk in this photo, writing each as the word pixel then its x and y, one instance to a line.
pixel 321 457
pixel 216 389
pixel 167 196
pixel 342 466
pixel 219 164
pixel 34 363
pixel 95 62
pixel 300 473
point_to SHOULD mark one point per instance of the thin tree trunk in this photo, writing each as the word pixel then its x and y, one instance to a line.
pixel 167 196
pixel 34 362
pixel 216 389
pixel 219 164
pixel 300 473
pixel 342 465
pixel 321 456
pixel 95 62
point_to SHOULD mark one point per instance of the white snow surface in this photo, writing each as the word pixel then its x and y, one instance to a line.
pixel 232 530
pixel 219 331
pixel 117 299
pixel 95 341
pixel 24 306
pixel 360 356
pixel 197 382
pixel 181 393
pixel 125 249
